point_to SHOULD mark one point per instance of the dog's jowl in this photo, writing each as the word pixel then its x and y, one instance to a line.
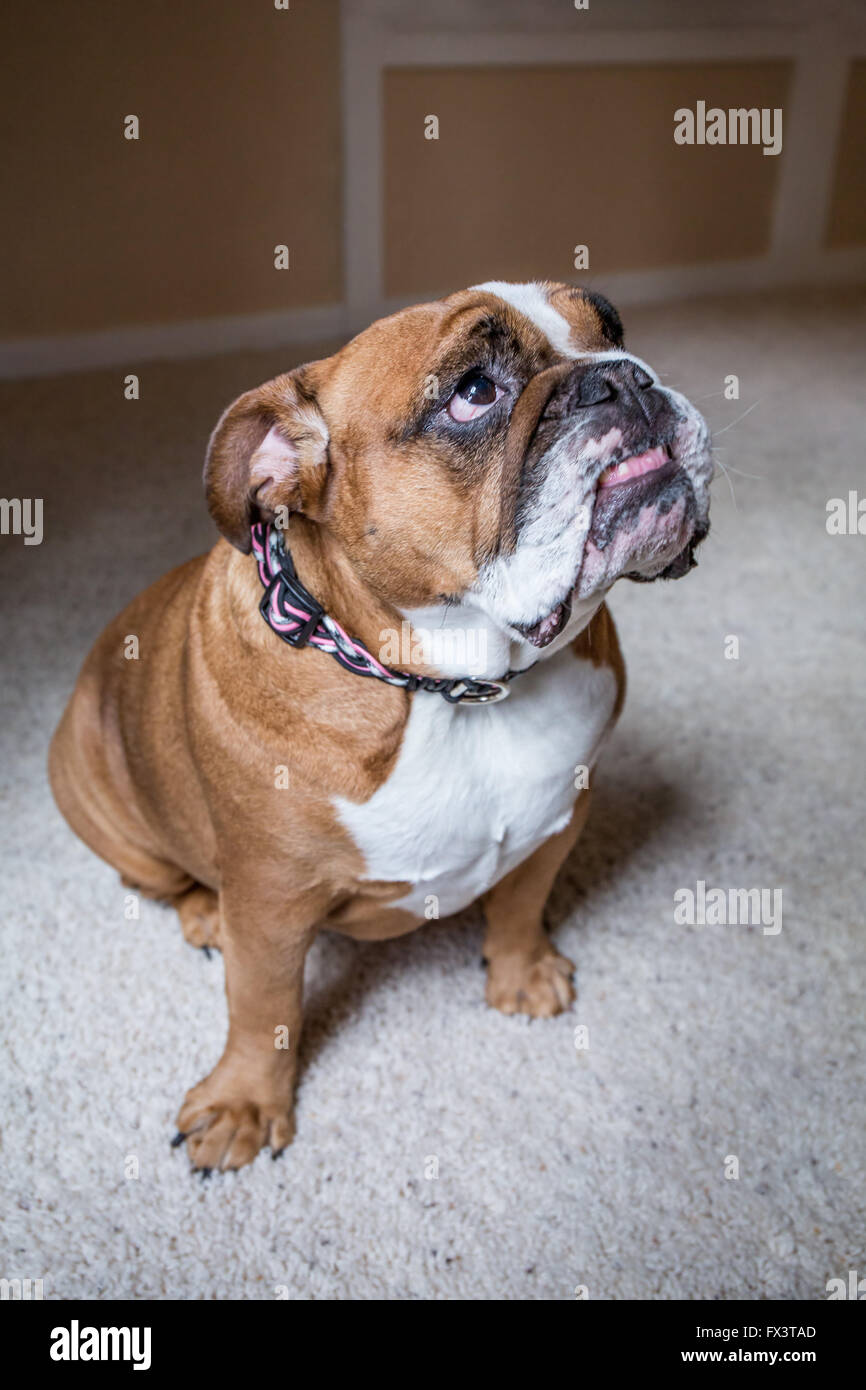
pixel 283 756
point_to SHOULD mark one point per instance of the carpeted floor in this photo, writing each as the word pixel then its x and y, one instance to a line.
pixel 558 1168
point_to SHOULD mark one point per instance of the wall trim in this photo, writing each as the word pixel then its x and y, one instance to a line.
pixel 135 343
pixel 127 347
pixel 667 284
pixel 819 56
pixel 369 46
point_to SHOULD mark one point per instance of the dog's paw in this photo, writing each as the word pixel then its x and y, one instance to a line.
pixel 540 987
pixel 228 1133
pixel 199 915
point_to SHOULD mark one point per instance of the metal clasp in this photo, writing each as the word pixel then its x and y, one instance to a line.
pixel 466 696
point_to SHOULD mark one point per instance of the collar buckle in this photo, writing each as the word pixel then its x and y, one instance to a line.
pixel 292 613
pixel 485 693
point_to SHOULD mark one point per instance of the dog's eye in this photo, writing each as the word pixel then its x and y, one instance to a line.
pixel 475 394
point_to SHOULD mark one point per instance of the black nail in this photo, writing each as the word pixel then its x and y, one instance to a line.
pixel 206 950
pixel 177 1140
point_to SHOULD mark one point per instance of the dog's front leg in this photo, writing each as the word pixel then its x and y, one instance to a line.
pixel 525 975
pixel 247 1100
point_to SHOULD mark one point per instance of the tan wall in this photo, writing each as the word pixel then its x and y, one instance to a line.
pixel 532 161
pixel 239 151
pixel 846 224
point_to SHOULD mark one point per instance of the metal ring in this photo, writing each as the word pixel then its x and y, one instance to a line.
pixel 473 697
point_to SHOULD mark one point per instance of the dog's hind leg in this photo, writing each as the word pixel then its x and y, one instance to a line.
pixel 199 913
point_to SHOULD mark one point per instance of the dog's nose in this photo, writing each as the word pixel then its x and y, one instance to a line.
pixel 592 383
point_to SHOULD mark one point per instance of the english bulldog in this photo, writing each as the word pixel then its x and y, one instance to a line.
pixel 277 759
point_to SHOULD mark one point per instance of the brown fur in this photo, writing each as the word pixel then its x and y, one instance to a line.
pixel 598 643
pixel 165 765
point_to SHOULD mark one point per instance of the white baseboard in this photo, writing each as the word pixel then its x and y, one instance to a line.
pixel 128 346
pixel 633 287
pixel 627 288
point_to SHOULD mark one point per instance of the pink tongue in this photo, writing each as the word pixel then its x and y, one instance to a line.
pixel 548 627
pixel 633 467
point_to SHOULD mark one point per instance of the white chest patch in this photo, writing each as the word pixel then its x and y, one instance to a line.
pixel 476 790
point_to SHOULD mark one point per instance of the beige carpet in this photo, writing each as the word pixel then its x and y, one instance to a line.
pixel 602 1168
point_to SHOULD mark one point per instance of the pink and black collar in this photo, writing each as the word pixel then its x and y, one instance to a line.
pixel 293 614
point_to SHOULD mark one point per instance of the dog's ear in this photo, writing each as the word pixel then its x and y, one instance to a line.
pixel 268 451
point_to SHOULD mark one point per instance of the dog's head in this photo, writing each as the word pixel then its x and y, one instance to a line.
pixel 499 447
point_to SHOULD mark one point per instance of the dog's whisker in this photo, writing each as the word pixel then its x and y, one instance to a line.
pixel 756 477
pixel 725 428
pixel 730 484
